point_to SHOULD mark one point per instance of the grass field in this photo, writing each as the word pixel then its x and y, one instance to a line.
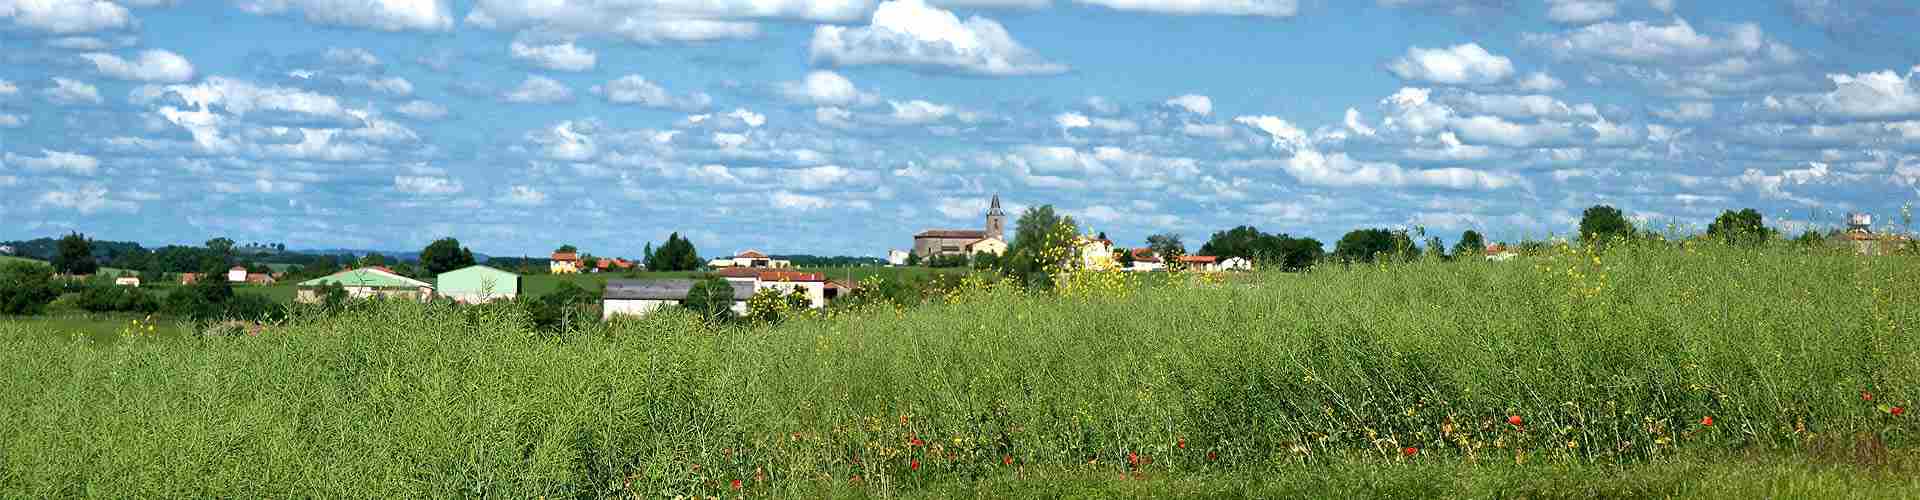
pixel 8 258
pixel 1642 373
pixel 96 328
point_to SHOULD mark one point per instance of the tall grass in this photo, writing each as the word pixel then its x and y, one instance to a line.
pixel 1611 361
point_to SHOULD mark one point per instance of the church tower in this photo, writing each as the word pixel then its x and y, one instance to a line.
pixel 996 220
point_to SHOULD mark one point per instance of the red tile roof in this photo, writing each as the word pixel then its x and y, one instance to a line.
pixel 738 272
pixel 1145 255
pixel 791 276
pixel 971 234
pixel 1199 259
pixel 750 254
pixel 566 256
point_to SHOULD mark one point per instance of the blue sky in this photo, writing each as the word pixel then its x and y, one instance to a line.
pixel 844 126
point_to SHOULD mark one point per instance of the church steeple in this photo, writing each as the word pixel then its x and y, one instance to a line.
pixel 996 220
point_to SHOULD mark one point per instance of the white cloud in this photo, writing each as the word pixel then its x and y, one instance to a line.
pixel 1580 11
pixel 567 141
pixel 1208 130
pixel 538 89
pixel 8 120
pixel 152 65
pixel 789 200
pixel 1495 130
pixel 1520 106
pixel 1686 111
pixel 658 21
pixel 1339 170
pixel 635 89
pixel 918 112
pixel 427 185
pixel 1285 134
pixel 825 88
pixel 391 85
pixel 525 196
pixel 65 16
pixel 1643 42
pixel 1539 81
pixel 1266 8
pixel 912 33
pixel 86 200
pixel 752 119
pixel 353 57
pixel 1357 125
pixel 1880 94
pixel 8 89
pixel 1664 6
pixel 558 57
pixel 384 15
pixel 1465 64
pixel 57 161
pixel 66 91
pixel 1071 120
pixel 1196 104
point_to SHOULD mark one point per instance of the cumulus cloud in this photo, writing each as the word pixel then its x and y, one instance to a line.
pixel 152 65
pixel 350 57
pixel 8 120
pixel 57 162
pixel 1071 120
pixel 427 185
pixel 86 200
pixel 1686 111
pixel 72 92
pixel 8 89
pixel 384 15
pixel 422 110
pixel 1264 8
pixel 567 141
pixel 659 21
pixel 789 200
pixel 1664 6
pixel 525 196
pixel 1539 81
pixel 912 33
pixel 1644 42
pixel 1879 94
pixel 1193 103
pixel 538 89
pixel 1580 11
pixel 391 85
pixel 825 88
pixel 558 57
pixel 1465 64
pixel 65 16
pixel 636 90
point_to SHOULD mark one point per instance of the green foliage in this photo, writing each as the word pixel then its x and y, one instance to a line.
pixel 1435 249
pixel 770 306
pixel 26 287
pixel 567 308
pixel 711 299
pixel 1745 227
pixel 1366 245
pixel 677 254
pixel 1247 242
pixel 1038 235
pixel 106 297
pixel 221 246
pixel 1167 246
pixel 946 260
pixel 1601 224
pixel 75 256
pixel 566 249
pixel 1281 386
pixel 373 259
pixel 1471 243
pixel 444 255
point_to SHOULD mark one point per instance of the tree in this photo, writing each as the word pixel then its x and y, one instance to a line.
pixel 677 254
pixel 1810 238
pixel 712 299
pixel 1247 242
pixel 1602 223
pixel 1039 236
pixel 1471 243
pixel 566 249
pixel 26 287
pixel 1436 250
pixel 1363 245
pixel 373 259
pixel 1746 227
pixel 1167 246
pixel 444 255
pixel 75 256
pixel 221 245
pixel 646 256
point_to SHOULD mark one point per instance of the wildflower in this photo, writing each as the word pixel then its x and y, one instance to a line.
pixel 1572 444
pixel 1707 421
pixel 1896 411
pixel 1182 444
pixel 1007 460
pixel 913 464
pixel 915 441
pixel 1409 451
pixel 736 484
pixel 1516 421
pixel 1866 396
pixel 1211 456
pixel 1133 459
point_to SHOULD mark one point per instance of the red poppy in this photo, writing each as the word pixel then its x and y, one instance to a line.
pixel 1896 411
pixel 1516 421
pixel 1707 421
pixel 854 479
pixel 736 484
pixel 1211 456
pixel 1410 451
pixel 1133 459
pixel 1008 460
pixel 1182 444
pixel 916 442
pixel 1866 396
pixel 914 464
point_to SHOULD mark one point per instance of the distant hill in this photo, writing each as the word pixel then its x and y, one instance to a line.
pixel 412 256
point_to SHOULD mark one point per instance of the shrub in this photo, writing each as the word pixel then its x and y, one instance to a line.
pixel 26 288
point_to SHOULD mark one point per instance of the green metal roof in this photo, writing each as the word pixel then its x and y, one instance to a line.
pixel 368 277
pixel 478 279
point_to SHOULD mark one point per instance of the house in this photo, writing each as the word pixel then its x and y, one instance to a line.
pixel 1201 263
pixel 1859 235
pixel 237 275
pixel 260 279
pixel 478 284
pixel 127 281
pixel 366 282
pixel 564 263
pixel 813 284
pixel 642 297
pixel 1500 253
pixel 965 242
pixel 189 278
pixel 605 265
pixel 1145 260
pixel 6 250
pixel 1236 264
pixel 1094 254
pixel 897 257
pixel 750 259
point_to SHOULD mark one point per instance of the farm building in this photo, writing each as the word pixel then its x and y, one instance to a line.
pixel 478 284
pixel 364 283
pixel 1236 264
pixel 750 258
pixel 813 284
pixel 237 275
pixel 1145 260
pixel 127 281
pixel 564 263
pixel 640 297
pixel 1202 263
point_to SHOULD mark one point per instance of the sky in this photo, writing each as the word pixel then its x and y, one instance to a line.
pixel 842 127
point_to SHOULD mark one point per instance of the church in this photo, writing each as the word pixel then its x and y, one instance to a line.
pixel 965 242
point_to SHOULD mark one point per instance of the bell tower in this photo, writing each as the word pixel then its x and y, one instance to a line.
pixel 996 220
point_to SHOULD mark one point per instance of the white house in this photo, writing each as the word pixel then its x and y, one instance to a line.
pixel 897 257
pixel 643 297
pixel 750 258
pixel 1144 260
pixel 124 280
pixel 6 250
pixel 814 285
pixel 237 275
pixel 1236 264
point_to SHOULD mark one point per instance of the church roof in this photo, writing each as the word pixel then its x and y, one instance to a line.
pixel 972 234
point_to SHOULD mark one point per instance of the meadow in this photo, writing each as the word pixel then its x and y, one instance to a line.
pixel 1704 372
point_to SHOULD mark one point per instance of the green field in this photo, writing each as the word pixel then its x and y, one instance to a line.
pixel 104 270
pixel 1639 374
pixel 97 328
